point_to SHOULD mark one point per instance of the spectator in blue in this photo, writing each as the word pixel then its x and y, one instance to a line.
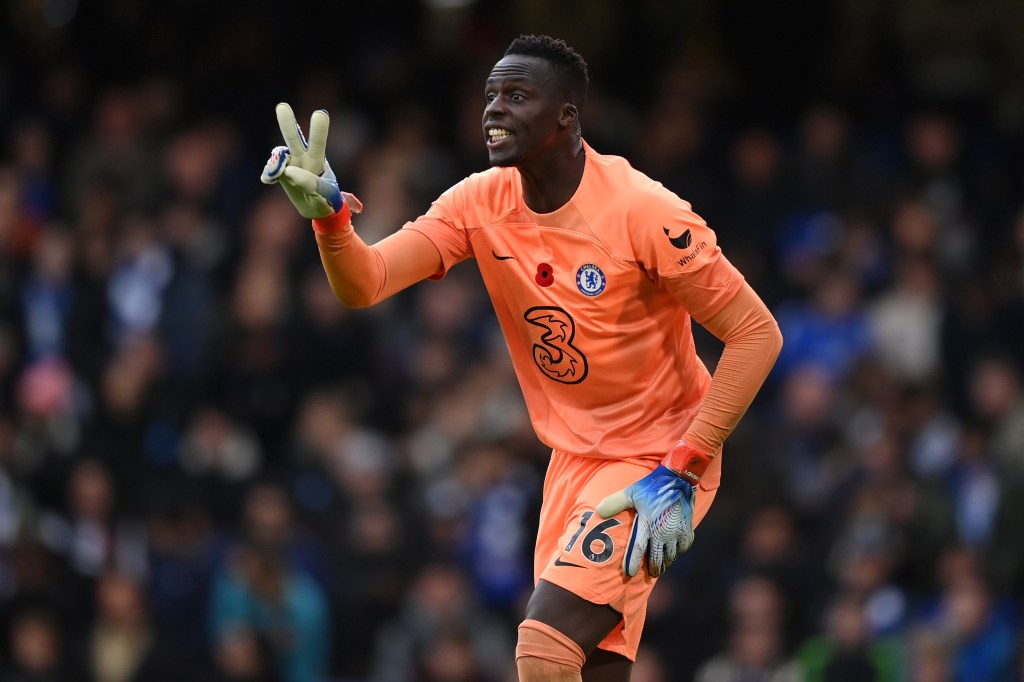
pixel 258 590
pixel 831 331
pixel 979 630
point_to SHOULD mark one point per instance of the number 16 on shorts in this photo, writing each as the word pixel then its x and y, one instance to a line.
pixel 597 546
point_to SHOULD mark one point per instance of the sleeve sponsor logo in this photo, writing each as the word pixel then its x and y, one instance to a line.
pixel 693 254
pixel 680 242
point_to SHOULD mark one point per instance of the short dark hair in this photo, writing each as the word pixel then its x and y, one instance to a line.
pixel 569 66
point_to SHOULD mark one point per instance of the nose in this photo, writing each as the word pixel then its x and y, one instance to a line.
pixel 495 104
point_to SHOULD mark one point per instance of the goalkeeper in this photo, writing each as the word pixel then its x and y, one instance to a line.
pixel 595 272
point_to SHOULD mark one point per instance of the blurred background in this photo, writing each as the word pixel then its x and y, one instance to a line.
pixel 210 470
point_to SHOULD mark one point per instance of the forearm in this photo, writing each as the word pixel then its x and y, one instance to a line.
pixel 664 499
pixel 355 270
pixel 362 275
pixel 752 343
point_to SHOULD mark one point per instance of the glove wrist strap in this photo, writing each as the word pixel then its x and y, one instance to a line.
pixel 688 462
pixel 338 221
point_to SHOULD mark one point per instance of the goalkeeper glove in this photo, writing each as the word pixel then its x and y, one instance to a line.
pixel 301 168
pixel 664 503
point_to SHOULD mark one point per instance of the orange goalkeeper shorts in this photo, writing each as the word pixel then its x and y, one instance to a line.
pixel 583 553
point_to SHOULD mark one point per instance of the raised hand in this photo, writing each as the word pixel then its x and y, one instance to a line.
pixel 301 167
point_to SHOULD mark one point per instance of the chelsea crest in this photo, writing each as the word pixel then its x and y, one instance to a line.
pixel 590 280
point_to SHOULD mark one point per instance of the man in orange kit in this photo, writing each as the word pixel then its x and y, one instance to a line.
pixel 595 272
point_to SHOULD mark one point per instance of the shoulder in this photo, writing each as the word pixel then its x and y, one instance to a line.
pixel 491 182
pixel 616 176
pixel 494 191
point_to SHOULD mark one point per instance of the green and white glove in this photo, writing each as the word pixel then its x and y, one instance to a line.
pixel 301 167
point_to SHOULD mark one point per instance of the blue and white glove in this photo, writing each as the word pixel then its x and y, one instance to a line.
pixel 301 167
pixel 664 502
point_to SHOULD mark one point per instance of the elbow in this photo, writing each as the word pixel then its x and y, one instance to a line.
pixel 355 303
pixel 777 340
pixel 353 299
pixel 767 335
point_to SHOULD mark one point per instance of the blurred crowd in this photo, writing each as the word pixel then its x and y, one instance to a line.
pixel 210 470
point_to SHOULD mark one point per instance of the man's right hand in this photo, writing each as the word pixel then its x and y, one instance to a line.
pixel 300 167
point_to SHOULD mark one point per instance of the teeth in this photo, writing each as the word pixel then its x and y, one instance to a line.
pixel 498 133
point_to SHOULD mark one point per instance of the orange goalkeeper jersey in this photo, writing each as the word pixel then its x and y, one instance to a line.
pixel 595 300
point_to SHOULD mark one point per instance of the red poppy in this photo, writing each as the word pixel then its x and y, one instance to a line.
pixel 545 276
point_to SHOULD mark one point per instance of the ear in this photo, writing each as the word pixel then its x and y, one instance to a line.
pixel 570 116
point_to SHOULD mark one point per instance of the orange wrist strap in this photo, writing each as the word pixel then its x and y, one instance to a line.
pixel 334 223
pixel 687 461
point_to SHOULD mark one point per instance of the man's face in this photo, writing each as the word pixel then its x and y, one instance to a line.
pixel 521 117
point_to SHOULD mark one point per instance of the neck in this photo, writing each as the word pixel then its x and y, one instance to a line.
pixel 550 184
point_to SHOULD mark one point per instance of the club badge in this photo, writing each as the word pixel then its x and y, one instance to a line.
pixel 590 280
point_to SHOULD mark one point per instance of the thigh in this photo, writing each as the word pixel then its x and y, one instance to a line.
pixel 584 622
pixel 605 666
pixel 582 554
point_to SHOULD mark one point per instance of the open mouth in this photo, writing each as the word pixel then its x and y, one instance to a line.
pixel 496 136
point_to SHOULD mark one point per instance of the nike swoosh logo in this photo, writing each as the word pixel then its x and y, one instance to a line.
pixel 559 562
pixel 497 257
